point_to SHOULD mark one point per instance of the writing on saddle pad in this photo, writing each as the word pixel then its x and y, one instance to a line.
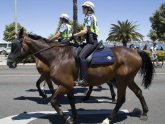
pixel 105 56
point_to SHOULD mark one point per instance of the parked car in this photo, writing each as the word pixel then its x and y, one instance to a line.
pixel 2 50
pixel 7 50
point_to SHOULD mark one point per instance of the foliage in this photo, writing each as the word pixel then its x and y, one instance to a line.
pixel 160 54
pixel 153 36
pixel 9 33
pixel 124 32
pixel 158 23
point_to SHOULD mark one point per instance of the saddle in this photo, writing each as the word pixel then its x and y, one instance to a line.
pixel 102 55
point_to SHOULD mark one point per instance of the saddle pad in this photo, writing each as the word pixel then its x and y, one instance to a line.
pixel 105 56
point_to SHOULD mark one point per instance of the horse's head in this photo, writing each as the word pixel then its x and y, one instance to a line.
pixel 18 50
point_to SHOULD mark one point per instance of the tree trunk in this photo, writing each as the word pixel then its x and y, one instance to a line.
pixel 124 43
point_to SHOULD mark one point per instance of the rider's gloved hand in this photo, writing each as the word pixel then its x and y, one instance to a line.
pixel 72 38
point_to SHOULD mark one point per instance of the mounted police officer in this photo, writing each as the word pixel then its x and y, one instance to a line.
pixel 65 30
pixel 91 32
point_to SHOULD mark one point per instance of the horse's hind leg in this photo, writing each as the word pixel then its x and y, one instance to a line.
pixel 138 92
pixel 41 92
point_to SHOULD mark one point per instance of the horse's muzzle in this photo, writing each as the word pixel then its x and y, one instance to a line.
pixel 12 64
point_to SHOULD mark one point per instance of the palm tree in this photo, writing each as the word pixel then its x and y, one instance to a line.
pixel 124 32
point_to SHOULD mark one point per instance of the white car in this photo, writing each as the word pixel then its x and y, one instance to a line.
pixel 7 51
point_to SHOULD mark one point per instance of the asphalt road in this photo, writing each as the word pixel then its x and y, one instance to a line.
pixel 20 102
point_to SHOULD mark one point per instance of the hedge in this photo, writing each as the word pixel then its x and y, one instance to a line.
pixel 160 54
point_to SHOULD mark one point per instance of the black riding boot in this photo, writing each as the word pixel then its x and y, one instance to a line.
pixel 83 72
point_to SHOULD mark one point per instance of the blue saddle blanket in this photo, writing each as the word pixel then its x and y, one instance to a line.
pixel 105 56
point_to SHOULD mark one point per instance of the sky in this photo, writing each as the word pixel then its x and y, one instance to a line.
pixel 41 16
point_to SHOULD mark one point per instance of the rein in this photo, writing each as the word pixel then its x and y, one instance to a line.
pixel 42 50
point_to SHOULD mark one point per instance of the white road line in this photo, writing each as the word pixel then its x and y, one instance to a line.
pixel 19 75
pixel 25 118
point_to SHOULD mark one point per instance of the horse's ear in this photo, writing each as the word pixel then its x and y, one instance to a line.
pixel 21 32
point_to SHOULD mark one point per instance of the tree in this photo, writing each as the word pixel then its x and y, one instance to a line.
pixel 124 32
pixel 9 33
pixel 153 36
pixel 158 23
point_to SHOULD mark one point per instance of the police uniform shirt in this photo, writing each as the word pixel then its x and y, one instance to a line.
pixel 63 27
pixel 91 22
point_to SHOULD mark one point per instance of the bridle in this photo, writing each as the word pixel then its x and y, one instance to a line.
pixel 42 50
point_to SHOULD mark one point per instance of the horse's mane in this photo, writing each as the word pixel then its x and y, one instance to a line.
pixel 37 37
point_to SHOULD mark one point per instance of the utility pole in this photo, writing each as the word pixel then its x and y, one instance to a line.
pixel 75 20
pixel 15 15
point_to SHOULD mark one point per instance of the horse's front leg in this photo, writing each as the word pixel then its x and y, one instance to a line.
pixel 112 92
pixel 71 98
pixel 87 93
pixel 60 91
pixel 41 92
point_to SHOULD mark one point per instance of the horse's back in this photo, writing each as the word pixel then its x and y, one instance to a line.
pixel 127 60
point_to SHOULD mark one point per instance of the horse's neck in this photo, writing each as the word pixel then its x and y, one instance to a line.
pixel 50 56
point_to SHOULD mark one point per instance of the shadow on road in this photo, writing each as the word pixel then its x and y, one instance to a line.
pixel 84 116
pixel 64 100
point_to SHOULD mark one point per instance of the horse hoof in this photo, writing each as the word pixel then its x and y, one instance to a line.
pixel 69 120
pixel 44 96
pixel 114 101
pixel 106 121
pixel 143 117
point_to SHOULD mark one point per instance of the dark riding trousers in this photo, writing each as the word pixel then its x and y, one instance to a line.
pixel 89 47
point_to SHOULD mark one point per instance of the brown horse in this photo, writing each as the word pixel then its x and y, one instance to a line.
pixel 44 70
pixel 64 70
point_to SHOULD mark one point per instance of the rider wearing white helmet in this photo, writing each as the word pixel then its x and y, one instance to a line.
pixel 89 4
pixel 65 30
pixel 91 32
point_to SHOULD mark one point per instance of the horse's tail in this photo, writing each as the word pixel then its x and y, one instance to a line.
pixel 147 69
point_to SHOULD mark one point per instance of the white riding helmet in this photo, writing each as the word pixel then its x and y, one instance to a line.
pixel 89 4
pixel 64 16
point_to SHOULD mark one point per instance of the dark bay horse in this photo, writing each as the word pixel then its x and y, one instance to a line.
pixel 64 70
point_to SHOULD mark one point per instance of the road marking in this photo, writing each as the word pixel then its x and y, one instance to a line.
pixel 25 118
pixel 19 75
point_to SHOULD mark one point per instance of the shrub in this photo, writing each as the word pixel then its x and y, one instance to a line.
pixel 160 54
